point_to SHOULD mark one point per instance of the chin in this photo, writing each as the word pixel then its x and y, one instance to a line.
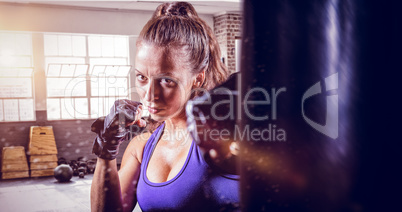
pixel 158 118
pixel 164 117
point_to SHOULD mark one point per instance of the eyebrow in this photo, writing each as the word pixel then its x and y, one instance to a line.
pixel 164 74
pixel 138 71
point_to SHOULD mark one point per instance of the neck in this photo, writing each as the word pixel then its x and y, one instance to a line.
pixel 176 124
pixel 176 130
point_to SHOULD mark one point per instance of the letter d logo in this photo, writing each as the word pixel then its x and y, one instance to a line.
pixel 330 128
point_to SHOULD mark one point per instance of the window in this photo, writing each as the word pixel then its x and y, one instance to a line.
pixel 85 74
pixel 16 81
pixel 67 91
pixel 108 83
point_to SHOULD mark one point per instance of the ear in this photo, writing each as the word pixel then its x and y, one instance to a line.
pixel 199 79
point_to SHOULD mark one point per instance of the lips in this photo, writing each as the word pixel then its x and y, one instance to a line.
pixel 154 110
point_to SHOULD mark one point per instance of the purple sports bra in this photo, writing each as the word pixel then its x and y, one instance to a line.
pixel 195 188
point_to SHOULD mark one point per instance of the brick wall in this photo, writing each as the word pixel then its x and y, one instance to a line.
pixel 227 28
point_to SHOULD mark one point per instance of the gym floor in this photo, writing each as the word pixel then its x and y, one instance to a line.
pixel 46 194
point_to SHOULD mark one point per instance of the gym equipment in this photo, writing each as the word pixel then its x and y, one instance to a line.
pixel 14 163
pixel 81 171
pixel 79 159
pixel 42 151
pixel 91 164
pixel 82 168
pixel 83 164
pixel 63 173
pixel 61 161
pixel 74 166
pixel 298 105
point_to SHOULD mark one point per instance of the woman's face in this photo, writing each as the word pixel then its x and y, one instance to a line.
pixel 163 81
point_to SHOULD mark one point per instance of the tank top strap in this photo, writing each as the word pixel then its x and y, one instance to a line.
pixel 152 141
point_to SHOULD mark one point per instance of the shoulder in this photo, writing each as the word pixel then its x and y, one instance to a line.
pixel 136 146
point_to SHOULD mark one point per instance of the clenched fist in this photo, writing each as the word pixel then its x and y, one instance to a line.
pixel 113 129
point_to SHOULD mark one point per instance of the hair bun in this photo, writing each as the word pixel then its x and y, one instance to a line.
pixel 176 9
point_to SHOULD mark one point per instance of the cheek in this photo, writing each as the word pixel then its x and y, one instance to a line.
pixel 173 96
pixel 176 97
pixel 140 91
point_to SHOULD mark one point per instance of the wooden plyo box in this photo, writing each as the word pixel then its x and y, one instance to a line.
pixel 42 158
pixel 42 151
pixel 14 163
pixel 41 141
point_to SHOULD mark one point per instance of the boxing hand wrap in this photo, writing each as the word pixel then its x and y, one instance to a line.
pixel 113 129
pixel 213 127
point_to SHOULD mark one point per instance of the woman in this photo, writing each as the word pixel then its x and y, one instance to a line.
pixel 177 57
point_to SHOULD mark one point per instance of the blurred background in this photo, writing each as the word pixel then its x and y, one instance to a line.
pixel 63 63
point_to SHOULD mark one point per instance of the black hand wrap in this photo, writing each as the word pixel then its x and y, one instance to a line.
pixel 113 129
pixel 215 110
pixel 211 121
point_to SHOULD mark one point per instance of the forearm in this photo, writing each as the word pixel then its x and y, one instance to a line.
pixel 128 182
pixel 105 189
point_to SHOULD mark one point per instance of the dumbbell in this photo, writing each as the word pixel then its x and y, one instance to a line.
pixel 62 161
pixel 81 172
pixel 91 165
pixel 74 166
pixel 82 169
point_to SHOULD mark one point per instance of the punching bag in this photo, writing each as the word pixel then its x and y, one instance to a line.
pixel 299 94
pixel 312 107
pixel 320 105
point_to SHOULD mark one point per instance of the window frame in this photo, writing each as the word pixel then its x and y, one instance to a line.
pixel 13 72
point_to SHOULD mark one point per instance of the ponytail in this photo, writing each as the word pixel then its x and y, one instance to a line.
pixel 177 24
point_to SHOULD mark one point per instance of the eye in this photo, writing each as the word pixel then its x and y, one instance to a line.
pixel 141 78
pixel 168 82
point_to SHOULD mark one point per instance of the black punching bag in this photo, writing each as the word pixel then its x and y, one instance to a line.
pixel 299 90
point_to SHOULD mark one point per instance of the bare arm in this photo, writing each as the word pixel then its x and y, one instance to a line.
pixel 107 192
pixel 105 188
pixel 129 173
pixel 114 190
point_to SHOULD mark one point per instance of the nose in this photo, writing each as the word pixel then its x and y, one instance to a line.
pixel 152 91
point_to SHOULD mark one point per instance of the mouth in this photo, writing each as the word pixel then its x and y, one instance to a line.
pixel 153 110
